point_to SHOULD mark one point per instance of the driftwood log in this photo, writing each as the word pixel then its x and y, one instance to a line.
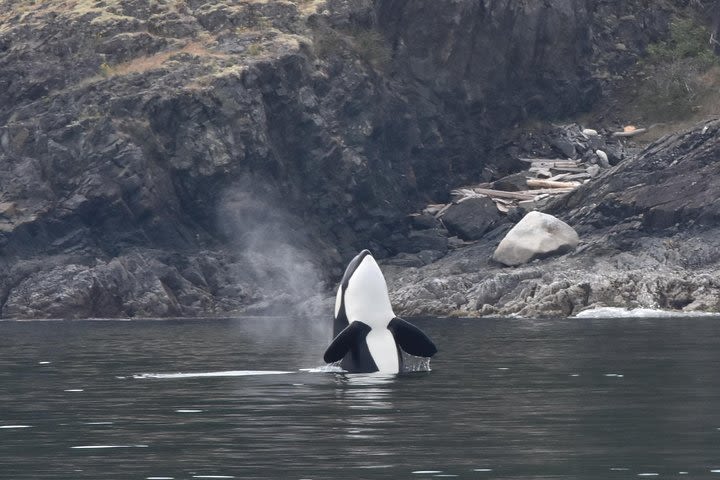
pixel 546 160
pixel 503 194
pixel 541 183
pixel 630 133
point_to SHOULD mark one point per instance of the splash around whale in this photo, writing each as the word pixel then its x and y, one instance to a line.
pixel 369 337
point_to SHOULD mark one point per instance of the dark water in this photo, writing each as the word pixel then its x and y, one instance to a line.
pixel 576 399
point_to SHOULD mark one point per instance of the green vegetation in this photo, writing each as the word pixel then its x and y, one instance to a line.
pixel 106 70
pixel 255 49
pixel 369 44
pixel 372 47
pixel 681 74
pixel 688 40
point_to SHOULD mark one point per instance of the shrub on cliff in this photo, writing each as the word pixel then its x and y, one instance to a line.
pixel 369 44
pixel 682 73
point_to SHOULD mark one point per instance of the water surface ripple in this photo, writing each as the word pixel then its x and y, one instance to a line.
pixel 243 398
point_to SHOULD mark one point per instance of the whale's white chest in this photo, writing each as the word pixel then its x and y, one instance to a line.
pixel 383 350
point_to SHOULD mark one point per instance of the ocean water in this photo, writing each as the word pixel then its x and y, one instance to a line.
pixel 590 398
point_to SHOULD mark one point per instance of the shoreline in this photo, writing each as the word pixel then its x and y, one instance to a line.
pixel 601 313
pixel 673 273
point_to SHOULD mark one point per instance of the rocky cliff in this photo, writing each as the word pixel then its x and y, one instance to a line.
pixel 220 157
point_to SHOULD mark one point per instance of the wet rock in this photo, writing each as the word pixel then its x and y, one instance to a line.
pixel 433 239
pixel 564 146
pixel 472 218
pixel 128 286
pixel 410 260
pixel 8 209
pixel 148 283
pixel 490 290
pixel 512 183
pixel 602 159
pixel 537 235
pixel 422 221
pixel 593 170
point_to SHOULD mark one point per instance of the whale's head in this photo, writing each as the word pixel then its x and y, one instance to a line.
pixel 363 293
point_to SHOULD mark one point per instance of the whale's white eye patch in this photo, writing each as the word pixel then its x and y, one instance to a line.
pixel 338 301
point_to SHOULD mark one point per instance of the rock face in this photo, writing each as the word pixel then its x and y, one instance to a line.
pixel 469 32
pixel 537 235
pixel 198 157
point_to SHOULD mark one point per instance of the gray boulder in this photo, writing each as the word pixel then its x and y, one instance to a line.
pixel 472 218
pixel 537 235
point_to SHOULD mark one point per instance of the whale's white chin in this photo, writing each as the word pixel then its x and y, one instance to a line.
pixel 381 344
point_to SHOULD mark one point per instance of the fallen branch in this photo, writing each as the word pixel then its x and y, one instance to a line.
pixel 546 160
pixel 502 194
pixel 434 208
pixel 571 169
pixel 560 176
pixel 567 163
pixel 576 176
pixel 502 208
pixel 541 191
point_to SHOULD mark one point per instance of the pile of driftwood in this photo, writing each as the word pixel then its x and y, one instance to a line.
pixel 545 178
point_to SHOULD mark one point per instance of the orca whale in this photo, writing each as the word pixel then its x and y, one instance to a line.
pixel 368 335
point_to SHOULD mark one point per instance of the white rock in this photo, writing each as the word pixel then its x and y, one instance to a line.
pixel 537 235
pixel 604 162
pixel 590 132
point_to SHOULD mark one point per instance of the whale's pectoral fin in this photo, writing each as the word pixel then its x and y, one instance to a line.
pixel 344 341
pixel 411 339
